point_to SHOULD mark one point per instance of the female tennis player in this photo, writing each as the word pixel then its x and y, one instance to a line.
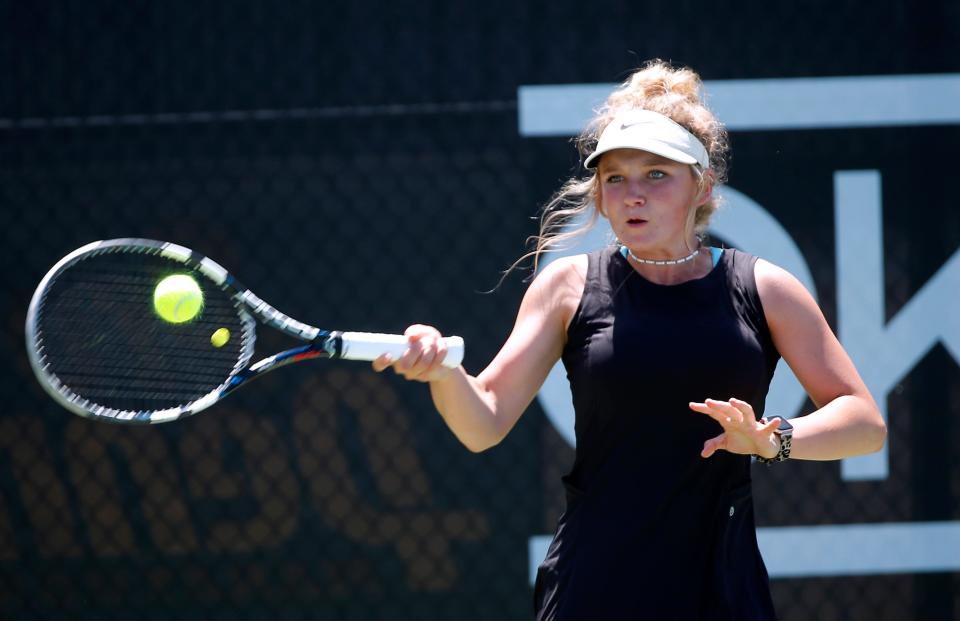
pixel 669 347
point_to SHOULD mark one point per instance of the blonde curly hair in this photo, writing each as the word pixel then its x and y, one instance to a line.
pixel 674 92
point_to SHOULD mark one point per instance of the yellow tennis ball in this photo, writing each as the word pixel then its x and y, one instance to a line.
pixel 220 337
pixel 178 298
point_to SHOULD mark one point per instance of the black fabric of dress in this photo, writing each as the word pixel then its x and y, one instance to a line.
pixel 652 530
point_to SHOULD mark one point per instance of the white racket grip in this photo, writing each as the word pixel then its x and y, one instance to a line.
pixel 370 346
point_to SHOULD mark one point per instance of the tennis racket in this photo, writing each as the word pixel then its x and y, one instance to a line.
pixel 98 346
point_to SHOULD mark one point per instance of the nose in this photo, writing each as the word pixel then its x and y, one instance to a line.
pixel 635 195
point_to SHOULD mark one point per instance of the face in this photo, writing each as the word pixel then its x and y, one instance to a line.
pixel 649 201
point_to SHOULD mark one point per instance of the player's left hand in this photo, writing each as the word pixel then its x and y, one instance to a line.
pixel 742 433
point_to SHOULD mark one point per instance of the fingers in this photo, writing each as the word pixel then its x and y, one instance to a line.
pixel 713 445
pixel 745 408
pixel 720 411
pixel 734 411
pixel 742 433
pixel 382 363
pixel 422 361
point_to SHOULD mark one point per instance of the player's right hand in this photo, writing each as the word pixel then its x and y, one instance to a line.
pixel 422 360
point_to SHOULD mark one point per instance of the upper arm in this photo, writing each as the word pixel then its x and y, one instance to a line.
pixel 515 375
pixel 803 337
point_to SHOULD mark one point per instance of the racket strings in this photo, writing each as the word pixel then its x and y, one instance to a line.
pixel 108 338
pixel 131 373
pixel 99 334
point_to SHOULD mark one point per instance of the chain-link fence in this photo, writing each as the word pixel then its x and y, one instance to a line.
pixel 361 168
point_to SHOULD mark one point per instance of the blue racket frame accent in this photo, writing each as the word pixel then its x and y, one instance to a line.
pixel 323 347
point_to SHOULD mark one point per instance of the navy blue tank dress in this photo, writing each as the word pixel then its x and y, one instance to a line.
pixel 652 530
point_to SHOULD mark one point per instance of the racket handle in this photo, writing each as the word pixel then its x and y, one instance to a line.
pixel 370 346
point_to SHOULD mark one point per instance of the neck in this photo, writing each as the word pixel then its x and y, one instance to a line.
pixel 664 262
pixel 671 271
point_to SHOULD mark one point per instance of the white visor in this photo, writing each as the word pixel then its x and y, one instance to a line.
pixel 653 132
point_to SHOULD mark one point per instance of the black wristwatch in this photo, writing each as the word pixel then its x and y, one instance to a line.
pixel 785 432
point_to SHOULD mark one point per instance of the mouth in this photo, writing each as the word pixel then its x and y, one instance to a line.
pixel 636 222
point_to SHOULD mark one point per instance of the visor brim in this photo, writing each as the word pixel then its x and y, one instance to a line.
pixel 650 146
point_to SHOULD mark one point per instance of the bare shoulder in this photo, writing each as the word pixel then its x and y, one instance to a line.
pixel 558 287
pixel 783 296
pixel 565 271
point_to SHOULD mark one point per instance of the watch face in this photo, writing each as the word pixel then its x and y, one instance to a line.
pixel 785 426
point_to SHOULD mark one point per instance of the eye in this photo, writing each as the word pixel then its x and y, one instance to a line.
pixel 614 178
pixel 657 174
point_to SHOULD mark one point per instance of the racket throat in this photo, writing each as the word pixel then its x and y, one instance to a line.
pixel 324 346
pixel 331 342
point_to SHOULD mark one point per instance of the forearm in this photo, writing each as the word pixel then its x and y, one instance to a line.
pixel 468 409
pixel 845 427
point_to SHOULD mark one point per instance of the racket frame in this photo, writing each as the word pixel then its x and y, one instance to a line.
pixel 250 308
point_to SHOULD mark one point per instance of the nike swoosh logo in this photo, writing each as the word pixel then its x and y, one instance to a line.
pixel 624 126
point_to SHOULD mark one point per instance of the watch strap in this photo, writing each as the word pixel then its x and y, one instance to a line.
pixel 785 433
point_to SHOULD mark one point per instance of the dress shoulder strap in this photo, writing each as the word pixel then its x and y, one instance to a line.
pixel 746 297
pixel 599 287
